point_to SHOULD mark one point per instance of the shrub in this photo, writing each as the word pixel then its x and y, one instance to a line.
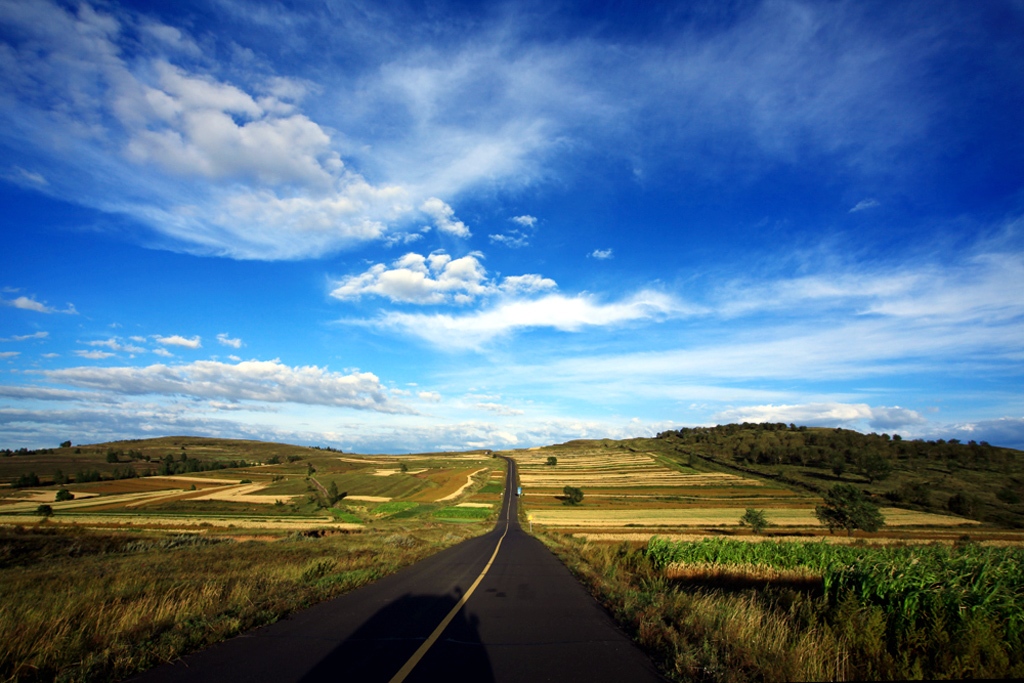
pixel 846 507
pixel 30 479
pixel 64 494
pixel 755 519
pixel 44 510
pixel 573 495
pixel 959 504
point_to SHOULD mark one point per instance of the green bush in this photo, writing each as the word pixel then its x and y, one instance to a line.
pixel 755 519
pixel 573 495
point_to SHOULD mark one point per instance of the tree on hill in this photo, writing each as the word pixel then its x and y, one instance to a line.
pixel 874 466
pixel 755 519
pixel 333 495
pixel 573 495
pixel 552 460
pixel 846 507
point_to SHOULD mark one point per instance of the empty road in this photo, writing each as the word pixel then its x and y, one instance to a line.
pixel 499 607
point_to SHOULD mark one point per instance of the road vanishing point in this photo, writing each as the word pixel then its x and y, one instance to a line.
pixel 500 607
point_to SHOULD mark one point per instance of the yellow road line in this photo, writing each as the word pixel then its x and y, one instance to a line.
pixel 429 642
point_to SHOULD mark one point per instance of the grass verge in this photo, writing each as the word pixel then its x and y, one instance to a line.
pixel 77 605
pixel 706 623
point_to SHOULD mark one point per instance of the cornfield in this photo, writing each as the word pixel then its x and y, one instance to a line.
pixel 909 583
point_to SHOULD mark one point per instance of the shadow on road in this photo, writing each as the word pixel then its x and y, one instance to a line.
pixel 386 641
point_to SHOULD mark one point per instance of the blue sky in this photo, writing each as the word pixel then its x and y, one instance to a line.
pixel 400 227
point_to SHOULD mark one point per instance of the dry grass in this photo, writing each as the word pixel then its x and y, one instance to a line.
pixel 245 493
pixel 704 636
pixel 459 491
pixel 137 601
pixel 704 516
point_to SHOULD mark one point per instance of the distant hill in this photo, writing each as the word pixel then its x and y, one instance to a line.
pixel 974 480
pixel 140 457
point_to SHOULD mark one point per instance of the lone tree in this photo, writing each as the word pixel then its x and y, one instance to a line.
pixel 44 510
pixel 552 460
pixel 846 507
pixel 755 519
pixel 573 495
pixel 333 495
pixel 64 494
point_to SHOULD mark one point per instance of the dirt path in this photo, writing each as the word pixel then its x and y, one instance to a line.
pixel 469 482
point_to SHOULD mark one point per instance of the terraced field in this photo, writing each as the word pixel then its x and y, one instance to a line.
pixel 312 488
pixel 711 516
pixel 636 490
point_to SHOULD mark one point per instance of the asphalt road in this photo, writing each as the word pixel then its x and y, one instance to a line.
pixel 526 619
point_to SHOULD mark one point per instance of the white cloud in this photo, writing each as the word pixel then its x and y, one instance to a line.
pixel 526 284
pixel 163 353
pixel 498 408
pixel 517 237
pixel 26 337
pixel 93 355
pixel 555 311
pixel 865 204
pixel 973 290
pixel 444 218
pixel 26 303
pixel 35 393
pixel 601 254
pixel 20 176
pixel 178 340
pixel 225 340
pixel 433 279
pixel 1004 431
pixel 826 414
pixel 9 354
pixel 514 240
pixel 115 344
pixel 429 396
pixel 215 167
pixel 266 381
pixel 491 108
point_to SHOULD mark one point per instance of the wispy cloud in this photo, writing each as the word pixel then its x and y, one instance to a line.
pixel 828 414
pixel 226 340
pixel 178 340
pixel 864 205
pixel 27 303
pixel 266 381
pixel 553 311
pixel 444 218
pixel 517 237
pixel 25 337
pixel 93 355
pixel 601 254
pixel 240 168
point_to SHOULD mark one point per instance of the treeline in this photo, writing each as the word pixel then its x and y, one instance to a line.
pixel 836 449
pixel 973 479
pixel 168 465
